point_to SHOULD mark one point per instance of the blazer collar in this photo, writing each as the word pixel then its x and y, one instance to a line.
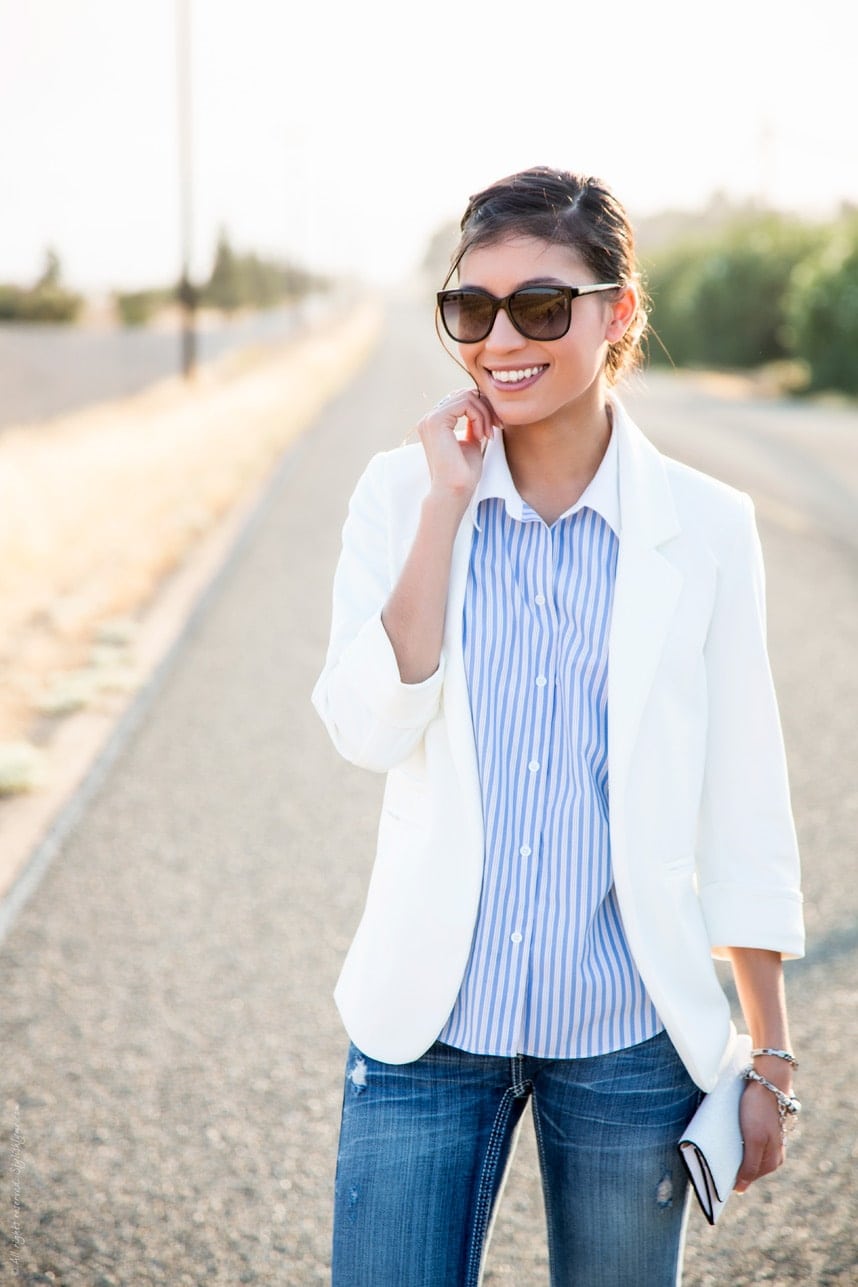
pixel 647 509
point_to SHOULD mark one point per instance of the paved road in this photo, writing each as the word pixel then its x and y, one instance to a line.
pixel 171 1056
pixel 47 370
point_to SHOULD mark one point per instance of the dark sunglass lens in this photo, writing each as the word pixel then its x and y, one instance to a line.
pixel 540 314
pixel 467 317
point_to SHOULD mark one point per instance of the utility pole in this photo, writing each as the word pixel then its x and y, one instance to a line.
pixel 187 291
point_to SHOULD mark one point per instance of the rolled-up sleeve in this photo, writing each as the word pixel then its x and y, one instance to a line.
pixel 373 718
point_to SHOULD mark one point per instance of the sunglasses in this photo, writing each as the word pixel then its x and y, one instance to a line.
pixel 536 312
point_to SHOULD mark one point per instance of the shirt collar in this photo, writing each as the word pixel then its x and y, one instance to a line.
pixel 601 494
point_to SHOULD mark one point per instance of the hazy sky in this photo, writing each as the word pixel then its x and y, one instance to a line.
pixel 342 134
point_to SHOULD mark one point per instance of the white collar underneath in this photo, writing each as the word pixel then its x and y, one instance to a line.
pixel 601 494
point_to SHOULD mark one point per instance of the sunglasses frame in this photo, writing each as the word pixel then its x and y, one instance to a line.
pixel 566 292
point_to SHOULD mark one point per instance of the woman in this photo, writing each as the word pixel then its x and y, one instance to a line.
pixel 551 639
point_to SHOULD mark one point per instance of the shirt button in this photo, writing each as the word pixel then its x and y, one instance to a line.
pixel 516 937
pixel 534 766
pixel 541 681
pixel 525 851
pixel 539 600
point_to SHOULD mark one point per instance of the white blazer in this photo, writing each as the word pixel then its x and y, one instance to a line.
pixel 702 838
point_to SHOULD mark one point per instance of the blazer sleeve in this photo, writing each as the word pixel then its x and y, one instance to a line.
pixel 748 862
pixel 374 719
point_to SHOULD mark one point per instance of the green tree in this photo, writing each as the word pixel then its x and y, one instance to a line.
pixel 224 286
pixel 251 281
pixel 51 273
pixel 822 310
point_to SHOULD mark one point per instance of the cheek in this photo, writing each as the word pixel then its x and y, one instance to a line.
pixel 468 358
pixel 585 351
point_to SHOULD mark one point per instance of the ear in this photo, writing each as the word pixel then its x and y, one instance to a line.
pixel 622 312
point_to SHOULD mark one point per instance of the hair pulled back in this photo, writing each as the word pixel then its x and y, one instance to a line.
pixel 569 210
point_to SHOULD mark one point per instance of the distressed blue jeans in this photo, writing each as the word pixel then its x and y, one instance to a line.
pixel 424 1147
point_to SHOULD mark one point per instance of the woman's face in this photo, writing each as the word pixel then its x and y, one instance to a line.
pixel 534 381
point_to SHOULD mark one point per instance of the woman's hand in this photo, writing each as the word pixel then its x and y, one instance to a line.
pixel 759 982
pixel 761 1132
pixel 456 463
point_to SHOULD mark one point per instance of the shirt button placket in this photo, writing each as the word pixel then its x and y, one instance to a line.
pixel 544 621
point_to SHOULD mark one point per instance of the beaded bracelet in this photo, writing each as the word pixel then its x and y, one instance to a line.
pixel 788 1105
pixel 778 1054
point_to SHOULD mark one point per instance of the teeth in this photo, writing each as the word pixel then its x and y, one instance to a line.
pixel 514 377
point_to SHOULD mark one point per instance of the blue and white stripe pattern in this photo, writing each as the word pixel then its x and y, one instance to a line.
pixel 550 972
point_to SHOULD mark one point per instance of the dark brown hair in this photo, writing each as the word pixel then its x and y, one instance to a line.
pixel 570 210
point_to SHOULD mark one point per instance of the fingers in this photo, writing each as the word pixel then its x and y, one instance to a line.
pixel 760 1158
pixel 761 1132
pixel 455 458
pixel 461 404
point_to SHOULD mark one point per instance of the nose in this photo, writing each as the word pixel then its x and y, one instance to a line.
pixel 503 334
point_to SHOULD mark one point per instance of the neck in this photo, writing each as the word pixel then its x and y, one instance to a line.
pixel 554 462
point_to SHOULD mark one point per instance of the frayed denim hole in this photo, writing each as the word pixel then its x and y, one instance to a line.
pixel 357 1075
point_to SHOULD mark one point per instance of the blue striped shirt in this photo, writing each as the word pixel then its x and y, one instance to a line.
pixel 550 972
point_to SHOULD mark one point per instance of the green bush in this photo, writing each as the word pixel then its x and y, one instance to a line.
pixel 136 308
pixel 41 304
pixel 720 301
pixel 46 301
pixel 822 311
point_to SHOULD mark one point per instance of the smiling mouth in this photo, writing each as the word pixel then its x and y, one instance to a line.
pixel 521 375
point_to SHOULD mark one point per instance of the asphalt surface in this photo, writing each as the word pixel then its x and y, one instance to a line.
pixel 171 1056
pixel 51 369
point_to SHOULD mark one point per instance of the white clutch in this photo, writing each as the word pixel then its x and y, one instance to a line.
pixel 711 1146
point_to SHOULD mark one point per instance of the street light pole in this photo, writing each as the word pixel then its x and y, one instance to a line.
pixel 187 291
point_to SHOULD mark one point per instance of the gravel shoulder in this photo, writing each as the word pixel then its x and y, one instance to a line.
pixel 113 521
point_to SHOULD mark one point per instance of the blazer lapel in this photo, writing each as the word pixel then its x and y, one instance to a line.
pixel 457 705
pixel 646 591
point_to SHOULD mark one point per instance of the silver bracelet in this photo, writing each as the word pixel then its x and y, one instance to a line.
pixel 788 1105
pixel 778 1054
